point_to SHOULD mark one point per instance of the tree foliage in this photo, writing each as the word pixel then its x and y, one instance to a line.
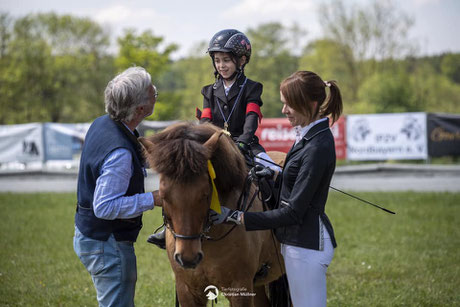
pixel 272 60
pixel 52 69
pixel 56 67
pixel 146 50
pixel 367 34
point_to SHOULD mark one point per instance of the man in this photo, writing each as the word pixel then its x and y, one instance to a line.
pixel 110 191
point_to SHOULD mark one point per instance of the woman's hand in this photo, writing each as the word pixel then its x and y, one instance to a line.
pixel 226 216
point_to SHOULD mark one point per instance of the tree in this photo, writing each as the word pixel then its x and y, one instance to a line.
pixel 272 60
pixel 434 92
pixel 55 70
pixel 144 50
pixel 387 92
pixel 328 59
pixel 374 32
pixel 450 66
pixel 195 72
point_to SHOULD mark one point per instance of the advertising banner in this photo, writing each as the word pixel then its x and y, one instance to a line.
pixel 277 134
pixel 443 135
pixel 147 128
pixel 21 143
pixel 399 136
pixel 339 133
pixel 64 141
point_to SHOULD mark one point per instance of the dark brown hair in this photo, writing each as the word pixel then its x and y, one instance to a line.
pixel 178 153
pixel 303 87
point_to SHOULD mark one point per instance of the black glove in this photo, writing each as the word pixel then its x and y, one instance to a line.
pixel 244 148
pixel 227 216
pixel 258 172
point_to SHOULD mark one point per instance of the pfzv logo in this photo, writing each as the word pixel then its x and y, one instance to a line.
pixel 360 130
pixel 411 128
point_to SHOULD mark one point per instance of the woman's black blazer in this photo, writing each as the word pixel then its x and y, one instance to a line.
pixel 307 174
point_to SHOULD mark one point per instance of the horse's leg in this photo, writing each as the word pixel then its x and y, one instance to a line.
pixel 244 297
pixel 261 298
pixel 187 298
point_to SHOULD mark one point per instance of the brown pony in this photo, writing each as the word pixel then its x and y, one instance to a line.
pixel 241 263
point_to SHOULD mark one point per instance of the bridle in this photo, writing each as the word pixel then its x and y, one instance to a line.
pixel 244 204
pixel 198 236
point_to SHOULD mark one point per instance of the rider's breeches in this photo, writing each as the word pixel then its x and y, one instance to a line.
pixel 306 272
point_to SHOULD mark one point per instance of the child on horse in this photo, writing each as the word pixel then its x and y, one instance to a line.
pixel 233 101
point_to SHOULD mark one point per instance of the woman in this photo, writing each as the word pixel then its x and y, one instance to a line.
pixel 300 222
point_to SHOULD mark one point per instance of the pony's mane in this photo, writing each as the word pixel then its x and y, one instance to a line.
pixel 178 153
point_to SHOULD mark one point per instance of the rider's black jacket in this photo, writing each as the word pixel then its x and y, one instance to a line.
pixel 243 118
pixel 307 174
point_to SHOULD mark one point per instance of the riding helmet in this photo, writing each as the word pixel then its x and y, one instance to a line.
pixel 230 40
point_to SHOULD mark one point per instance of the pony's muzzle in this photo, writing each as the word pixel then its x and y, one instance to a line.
pixel 188 263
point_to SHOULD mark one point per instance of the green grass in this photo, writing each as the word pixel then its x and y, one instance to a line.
pixel 408 259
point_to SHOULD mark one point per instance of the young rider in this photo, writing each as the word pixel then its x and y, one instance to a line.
pixel 233 101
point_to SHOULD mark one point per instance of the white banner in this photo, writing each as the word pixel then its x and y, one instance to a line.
pixel 21 143
pixel 64 141
pixel 400 136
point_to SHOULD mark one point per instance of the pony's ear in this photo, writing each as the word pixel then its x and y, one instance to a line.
pixel 146 144
pixel 211 143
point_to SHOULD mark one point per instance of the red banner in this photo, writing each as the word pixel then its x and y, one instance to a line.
pixel 277 134
pixel 339 133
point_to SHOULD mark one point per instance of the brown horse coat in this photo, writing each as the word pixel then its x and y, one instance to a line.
pixel 180 154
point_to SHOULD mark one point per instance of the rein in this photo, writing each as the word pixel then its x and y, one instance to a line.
pixel 243 205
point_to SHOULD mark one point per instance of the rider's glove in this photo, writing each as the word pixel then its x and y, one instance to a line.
pixel 227 216
pixel 258 172
pixel 244 148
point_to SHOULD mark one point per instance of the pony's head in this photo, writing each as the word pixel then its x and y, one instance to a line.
pixel 180 155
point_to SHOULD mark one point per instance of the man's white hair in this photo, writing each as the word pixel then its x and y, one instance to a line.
pixel 127 91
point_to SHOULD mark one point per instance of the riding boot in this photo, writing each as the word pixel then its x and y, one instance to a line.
pixel 159 239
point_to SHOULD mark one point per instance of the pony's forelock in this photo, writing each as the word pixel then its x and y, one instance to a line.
pixel 178 153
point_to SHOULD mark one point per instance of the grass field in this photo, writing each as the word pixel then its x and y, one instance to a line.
pixel 408 259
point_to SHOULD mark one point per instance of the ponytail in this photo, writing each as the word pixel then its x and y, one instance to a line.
pixel 303 87
pixel 333 105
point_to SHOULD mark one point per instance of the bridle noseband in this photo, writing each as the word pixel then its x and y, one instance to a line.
pixel 198 236
pixel 243 205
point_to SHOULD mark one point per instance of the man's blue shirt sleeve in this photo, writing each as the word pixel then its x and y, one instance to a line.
pixel 109 201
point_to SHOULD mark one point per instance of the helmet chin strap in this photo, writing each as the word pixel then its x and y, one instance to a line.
pixel 236 74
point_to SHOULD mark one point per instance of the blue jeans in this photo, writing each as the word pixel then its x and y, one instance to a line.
pixel 112 265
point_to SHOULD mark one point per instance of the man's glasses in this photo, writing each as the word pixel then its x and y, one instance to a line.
pixel 156 92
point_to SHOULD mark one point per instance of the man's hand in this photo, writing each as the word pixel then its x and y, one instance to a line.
pixel 259 171
pixel 157 200
pixel 227 216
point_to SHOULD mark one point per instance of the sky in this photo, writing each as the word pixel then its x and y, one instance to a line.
pixel 189 22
